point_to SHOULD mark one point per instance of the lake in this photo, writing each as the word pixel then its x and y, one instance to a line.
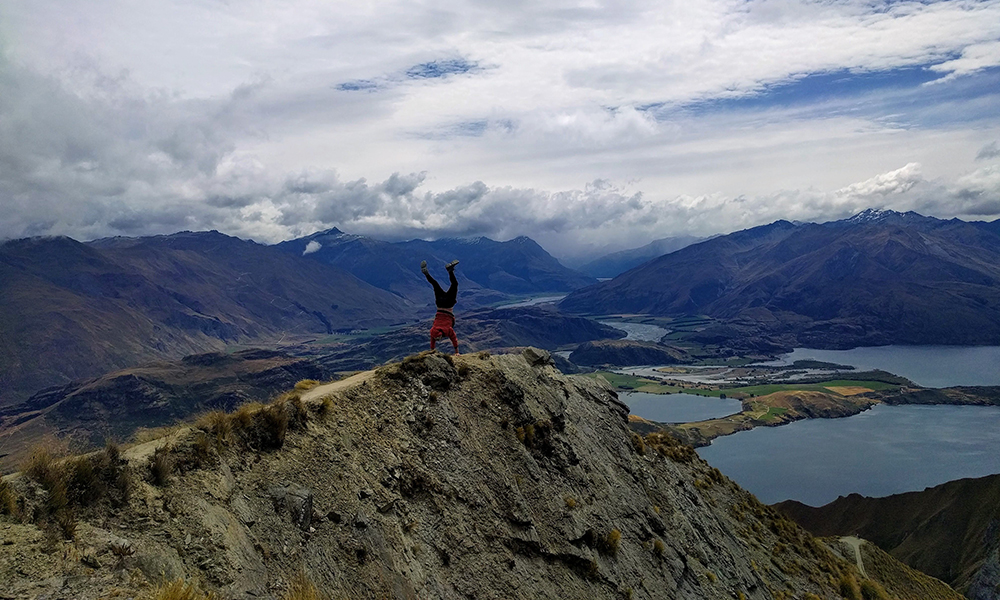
pixel 678 408
pixel 882 451
pixel 928 366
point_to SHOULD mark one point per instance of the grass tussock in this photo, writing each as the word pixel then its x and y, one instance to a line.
pixel 302 588
pixel 161 466
pixel 849 588
pixel 638 444
pixel 306 385
pixel 76 483
pixel 180 590
pixel 668 446
pixel 611 542
pixel 871 590
pixel 8 498
pixel 218 424
pixel 258 426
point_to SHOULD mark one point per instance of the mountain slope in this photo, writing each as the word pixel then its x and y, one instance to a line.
pixel 489 271
pixel 116 404
pixel 72 310
pixel 947 531
pixel 616 263
pixel 484 477
pixel 877 278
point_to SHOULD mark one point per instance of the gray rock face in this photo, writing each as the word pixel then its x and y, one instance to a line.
pixel 296 501
pixel 475 477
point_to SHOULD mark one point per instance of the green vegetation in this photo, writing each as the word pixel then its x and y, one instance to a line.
pixel 636 384
pixel 773 412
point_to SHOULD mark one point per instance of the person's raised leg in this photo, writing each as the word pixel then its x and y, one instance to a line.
pixel 451 296
pixel 439 293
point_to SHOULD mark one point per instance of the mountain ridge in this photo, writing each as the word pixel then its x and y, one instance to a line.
pixel 437 477
pixel 900 278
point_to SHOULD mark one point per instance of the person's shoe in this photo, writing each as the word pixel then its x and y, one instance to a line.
pixel 423 267
pixel 451 265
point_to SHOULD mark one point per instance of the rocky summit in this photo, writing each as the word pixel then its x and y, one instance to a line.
pixel 464 477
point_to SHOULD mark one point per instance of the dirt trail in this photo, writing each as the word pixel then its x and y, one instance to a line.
pixel 855 542
pixel 328 388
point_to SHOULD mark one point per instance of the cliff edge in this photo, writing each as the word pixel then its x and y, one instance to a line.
pixel 463 477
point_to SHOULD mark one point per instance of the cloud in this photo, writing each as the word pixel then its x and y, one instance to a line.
pixel 273 120
pixel 991 150
pixel 312 246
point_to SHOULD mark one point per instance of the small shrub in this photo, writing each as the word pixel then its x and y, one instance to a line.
pixel 463 371
pixel 161 465
pixel 570 502
pixel 593 570
pixel 180 590
pixel 712 578
pixel 306 384
pixel 432 397
pixel 301 588
pixel 659 547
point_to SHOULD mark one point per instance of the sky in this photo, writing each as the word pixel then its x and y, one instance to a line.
pixel 588 126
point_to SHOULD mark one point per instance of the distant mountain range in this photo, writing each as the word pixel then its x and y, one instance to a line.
pixel 616 263
pixel 948 531
pixel 489 270
pixel 70 310
pixel 879 277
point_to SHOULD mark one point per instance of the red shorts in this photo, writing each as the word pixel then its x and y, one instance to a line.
pixel 443 327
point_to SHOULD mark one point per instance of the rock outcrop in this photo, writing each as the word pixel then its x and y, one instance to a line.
pixel 441 478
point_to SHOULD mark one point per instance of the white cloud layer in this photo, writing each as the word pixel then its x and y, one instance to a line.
pixel 271 119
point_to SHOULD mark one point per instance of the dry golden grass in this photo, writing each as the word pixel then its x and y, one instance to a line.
pixel 301 588
pixel 218 424
pixel 306 384
pixel 8 498
pixel 180 590
pixel 848 390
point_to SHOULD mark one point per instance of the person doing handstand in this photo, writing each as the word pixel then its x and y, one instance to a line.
pixel 444 320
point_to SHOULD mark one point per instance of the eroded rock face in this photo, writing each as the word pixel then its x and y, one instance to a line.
pixel 455 478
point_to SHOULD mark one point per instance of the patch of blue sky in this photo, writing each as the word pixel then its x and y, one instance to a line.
pixel 358 85
pixel 473 128
pixel 912 95
pixel 441 68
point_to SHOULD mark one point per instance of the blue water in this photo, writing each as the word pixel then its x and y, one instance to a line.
pixel 678 408
pixel 882 451
pixel 638 331
pixel 928 366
